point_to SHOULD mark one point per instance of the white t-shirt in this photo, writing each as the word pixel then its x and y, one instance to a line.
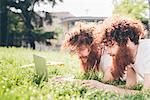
pixel 106 61
pixel 142 62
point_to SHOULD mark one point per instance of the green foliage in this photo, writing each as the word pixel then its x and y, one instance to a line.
pixel 26 7
pixel 132 8
pixel 22 21
pixel 90 76
pixel 15 23
pixel 19 83
pixel 118 83
pixel 58 30
pixel 137 87
pixel 48 19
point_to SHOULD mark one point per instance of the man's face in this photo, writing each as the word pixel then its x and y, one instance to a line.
pixel 122 57
pixel 113 49
pixel 83 52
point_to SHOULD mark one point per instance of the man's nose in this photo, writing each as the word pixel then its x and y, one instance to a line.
pixel 108 50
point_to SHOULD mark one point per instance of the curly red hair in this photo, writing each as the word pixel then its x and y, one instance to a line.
pixel 120 29
pixel 84 34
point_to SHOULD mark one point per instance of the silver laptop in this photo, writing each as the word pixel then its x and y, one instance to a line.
pixel 41 67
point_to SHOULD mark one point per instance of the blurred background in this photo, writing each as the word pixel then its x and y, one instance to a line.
pixel 41 24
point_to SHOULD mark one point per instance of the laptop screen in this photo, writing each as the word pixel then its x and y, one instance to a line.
pixel 40 67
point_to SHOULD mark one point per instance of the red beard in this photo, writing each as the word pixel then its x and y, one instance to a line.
pixel 123 58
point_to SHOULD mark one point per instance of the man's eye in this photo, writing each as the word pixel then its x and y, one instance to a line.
pixel 82 49
pixel 109 46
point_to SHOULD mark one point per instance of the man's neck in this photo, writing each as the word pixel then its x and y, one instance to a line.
pixel 134 50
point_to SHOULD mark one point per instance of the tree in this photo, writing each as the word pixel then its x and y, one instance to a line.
pixel 3 23
pixel 16 29
pixel 27 13
pixel 133 8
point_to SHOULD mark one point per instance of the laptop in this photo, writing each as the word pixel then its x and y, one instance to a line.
pixel 41 67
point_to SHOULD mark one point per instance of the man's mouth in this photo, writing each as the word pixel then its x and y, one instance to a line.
pixel 83 57
pixel 112 55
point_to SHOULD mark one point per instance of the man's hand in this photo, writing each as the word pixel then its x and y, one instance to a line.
pixel 58 79
pixel 108 76
pixel 93 84
pixel 131 76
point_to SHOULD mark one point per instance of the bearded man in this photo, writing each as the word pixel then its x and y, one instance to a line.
pixel 121 36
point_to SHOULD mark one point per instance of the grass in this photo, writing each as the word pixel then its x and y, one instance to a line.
pixel 21 83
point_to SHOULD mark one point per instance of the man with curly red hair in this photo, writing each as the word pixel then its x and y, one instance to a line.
pixel 81 40
pixel 122 38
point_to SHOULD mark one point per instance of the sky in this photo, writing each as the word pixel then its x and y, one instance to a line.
pixel 102 8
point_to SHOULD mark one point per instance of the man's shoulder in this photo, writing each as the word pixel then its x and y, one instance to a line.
pixel 144 47
pixel 145 41
pixel 143 57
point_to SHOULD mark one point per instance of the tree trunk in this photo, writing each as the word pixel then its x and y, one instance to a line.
pixel 31 38
pixel 3 23
pixel 149 19
pixel 27 19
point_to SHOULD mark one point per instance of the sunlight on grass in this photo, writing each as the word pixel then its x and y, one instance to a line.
pixel 21 83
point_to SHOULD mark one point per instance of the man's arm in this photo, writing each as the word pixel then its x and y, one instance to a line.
pixel 131 78
pixel 107 75
pixel 107 87
pixel 146 81
pixel 93 84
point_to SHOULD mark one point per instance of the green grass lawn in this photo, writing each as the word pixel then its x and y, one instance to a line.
pixel 17 83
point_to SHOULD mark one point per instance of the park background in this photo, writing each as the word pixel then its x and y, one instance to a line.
pixel 30 27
